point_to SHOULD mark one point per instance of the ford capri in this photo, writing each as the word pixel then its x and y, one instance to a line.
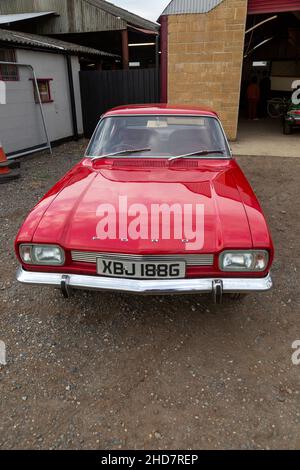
pixel 157 205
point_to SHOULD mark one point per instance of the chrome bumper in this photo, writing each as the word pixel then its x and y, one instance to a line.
pixel 135 286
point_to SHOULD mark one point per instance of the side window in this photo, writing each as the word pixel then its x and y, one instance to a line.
pixel 44 89
pixel 8 73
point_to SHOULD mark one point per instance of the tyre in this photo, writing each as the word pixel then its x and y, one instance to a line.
pixel 236 297
pixel 287 128
pixel 276 108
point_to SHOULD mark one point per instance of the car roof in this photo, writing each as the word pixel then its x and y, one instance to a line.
pixel 160 108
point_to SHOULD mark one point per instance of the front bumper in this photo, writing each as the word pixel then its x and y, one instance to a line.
pixel 293 120
pixel 134 286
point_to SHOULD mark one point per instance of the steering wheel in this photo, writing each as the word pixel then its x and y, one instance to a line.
pixel 121 147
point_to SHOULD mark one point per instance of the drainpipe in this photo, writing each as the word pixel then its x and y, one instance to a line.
pixel 164 59
pixel 157 62
pixel 72 97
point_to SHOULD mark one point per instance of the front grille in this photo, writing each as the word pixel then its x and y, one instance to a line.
pixel 191 260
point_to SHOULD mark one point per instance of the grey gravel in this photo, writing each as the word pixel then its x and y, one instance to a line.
pixel 104 371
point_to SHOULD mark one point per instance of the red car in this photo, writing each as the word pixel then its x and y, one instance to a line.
pixel 158 205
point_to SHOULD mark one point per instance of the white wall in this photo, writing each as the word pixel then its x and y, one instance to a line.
pixel 20 119
pixel 283 83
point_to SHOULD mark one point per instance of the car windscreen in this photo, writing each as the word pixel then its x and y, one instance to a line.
pixel 158 136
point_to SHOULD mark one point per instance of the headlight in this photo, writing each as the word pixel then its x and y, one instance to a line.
pixel 50 255
pixel 248 261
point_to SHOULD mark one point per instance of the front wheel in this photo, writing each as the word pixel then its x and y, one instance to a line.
pixel 287 128
pixel 236 297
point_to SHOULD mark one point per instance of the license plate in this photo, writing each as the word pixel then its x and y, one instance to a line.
pixel 141 270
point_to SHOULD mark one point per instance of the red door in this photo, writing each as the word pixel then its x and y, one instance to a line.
pixel 272 6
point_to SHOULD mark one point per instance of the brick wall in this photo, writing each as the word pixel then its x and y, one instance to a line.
pixel 205 60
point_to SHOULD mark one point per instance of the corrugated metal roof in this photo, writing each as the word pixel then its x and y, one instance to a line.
pixel 6 19
pixel 126 15
pixel 272 6
pixel 44 42
pixel 177 7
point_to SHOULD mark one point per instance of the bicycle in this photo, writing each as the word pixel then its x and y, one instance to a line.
pixel 278 107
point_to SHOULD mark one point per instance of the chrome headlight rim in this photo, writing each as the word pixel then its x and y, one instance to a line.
pixel 34 261
pixel 236 269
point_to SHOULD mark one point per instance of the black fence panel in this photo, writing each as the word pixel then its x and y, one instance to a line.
pixel 101 91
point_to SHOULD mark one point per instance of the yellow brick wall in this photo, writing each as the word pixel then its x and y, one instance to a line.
pixel 205 60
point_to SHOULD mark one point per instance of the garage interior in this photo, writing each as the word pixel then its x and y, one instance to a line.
pixel 272 54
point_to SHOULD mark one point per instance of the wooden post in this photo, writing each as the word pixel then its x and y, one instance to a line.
pixel 125 49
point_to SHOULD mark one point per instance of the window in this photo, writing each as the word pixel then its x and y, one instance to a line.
pixel 44 89
pixel 159 136
pixel 8 73
pixel 261 63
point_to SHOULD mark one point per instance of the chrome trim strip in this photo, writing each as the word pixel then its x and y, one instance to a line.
pixel 190 260
pixel 176 286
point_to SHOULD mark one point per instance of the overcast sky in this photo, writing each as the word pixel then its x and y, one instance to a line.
pixel 150 9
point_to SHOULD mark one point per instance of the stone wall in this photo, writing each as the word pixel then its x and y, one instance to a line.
pixel 205 59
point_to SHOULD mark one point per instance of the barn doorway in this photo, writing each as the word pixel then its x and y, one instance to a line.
pixel 272 61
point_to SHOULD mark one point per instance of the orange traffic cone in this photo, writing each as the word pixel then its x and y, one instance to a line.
pixel 7 168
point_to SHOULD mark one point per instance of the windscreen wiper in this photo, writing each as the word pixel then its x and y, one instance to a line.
pixel 200 152
pixel 122 152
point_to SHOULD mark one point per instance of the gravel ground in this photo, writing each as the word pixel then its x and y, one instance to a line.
pixel 104 371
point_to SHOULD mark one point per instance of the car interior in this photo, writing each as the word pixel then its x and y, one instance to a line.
pixel 161 137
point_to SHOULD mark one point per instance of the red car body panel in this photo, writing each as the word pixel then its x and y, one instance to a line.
pixel 161 109
pixel 66 216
